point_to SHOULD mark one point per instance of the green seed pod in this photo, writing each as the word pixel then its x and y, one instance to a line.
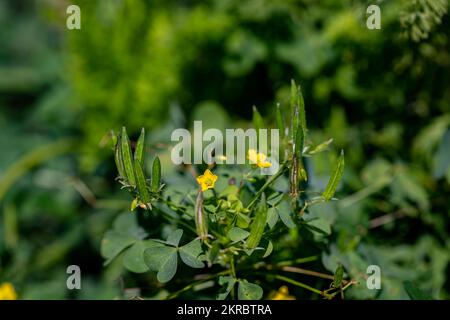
pixel 118 158
pixel 258 224
pixel 201 217
pixel 156 174
pixel 335 178
pixel 127 159
pixel 280 122
pixel 258 122
pixel 144 195
pixel 139 152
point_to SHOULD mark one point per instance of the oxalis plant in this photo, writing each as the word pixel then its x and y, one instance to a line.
pixel 227 234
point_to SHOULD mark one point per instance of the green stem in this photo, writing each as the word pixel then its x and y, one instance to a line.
pixel 191 285
pixel 297 261
pixel 302 285
pixel 233 269
pixel 267 184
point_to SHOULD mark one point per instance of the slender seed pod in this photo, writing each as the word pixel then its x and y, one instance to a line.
pixel 144 195
pixel 127 159
pixel 335 178
pixel 201 217
pixel 118 158
pixel 258 224
pixel 156 174
pixel 258 122
pixel 139 152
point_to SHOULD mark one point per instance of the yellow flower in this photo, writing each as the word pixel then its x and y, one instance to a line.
pixel 282 294
pixel 258 158
pixel 207 180
pixel 7 292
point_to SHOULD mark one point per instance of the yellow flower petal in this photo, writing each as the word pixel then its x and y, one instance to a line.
pixel 252 156
pixel 283 294
pixel 207 180
pixel 7 292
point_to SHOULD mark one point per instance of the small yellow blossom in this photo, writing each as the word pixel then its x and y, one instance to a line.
pixel 7 291
pixel 282 294
pixel 207 180
pixel 258 158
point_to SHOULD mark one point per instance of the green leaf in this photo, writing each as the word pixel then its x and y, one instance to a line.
pixel 272 217
pixel 243 221
pixel 249 291
pixel 237 234
pixel 127 159
pixel 126 232
pixel 414 292
pixel 175 237
pixel 321 147
pixel 190 254
pixel 284 212
pixel 258 122
pixel 268 250
pixel 139 151
pixel 133 259
pixel 335 178
pixel 114 243
pixel 258 224
pixel 338 275
pixel 144 195
pixel 156 174
pixel 229 282
pixel 320 225
pixel 126 224
pixel 162 259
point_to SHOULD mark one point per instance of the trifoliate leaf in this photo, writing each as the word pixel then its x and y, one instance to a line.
pixel 162 259
pixel 175 237
pixel 133 259
pixel 228 283
pixel 249 291
pixel 190 254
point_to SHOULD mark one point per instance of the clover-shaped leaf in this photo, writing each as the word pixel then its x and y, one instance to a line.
pixel 175 237
pixel 133 259
pixel 249 291
pixel 190 254
pixel 125 233
pixel 228 283
pixel 114 243
pixel 164 258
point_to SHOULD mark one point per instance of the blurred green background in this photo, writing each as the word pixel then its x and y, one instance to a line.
pixel 383 95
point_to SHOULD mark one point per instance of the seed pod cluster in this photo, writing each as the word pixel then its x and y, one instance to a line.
pixel 131 168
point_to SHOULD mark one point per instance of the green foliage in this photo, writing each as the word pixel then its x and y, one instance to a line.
pixel 229 224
